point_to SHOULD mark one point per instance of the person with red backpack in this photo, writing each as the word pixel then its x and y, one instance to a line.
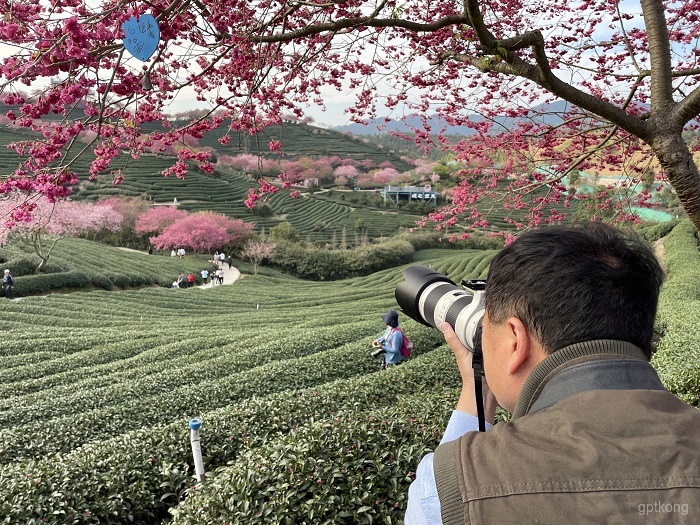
pixel 392 342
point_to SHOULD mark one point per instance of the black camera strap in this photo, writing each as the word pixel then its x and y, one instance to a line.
pixel 478 365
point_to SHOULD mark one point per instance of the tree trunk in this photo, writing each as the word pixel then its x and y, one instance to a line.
pixel 682 172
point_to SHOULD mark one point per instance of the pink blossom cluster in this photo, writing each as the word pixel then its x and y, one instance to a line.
pixel 58 219
pixel 202 232
pixel 254 64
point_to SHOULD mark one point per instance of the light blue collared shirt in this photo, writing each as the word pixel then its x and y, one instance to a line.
pixel 391 343
pixel 423 503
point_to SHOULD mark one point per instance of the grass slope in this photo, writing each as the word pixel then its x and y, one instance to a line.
pixel 299 425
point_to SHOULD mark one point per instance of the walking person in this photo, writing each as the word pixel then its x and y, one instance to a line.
pixel 8 285
pixel 205 276
pixel 220 275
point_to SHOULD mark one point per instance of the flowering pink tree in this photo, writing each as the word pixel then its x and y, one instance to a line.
pixel 257 251
pixel 384 175
pixel 347 171
pixel 157 218
pixel 424 168
pixel 130 208
pixel 202 232
pixel 53 221
pixel 249 163
pixel 624 73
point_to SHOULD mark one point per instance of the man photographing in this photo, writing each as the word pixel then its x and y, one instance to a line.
pixel 566 340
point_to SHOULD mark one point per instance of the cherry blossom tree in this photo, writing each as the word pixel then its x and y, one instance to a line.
pixel 384 175
pixel 202 232
pixel 157 218
pixel 256 251
pixel 626 71
pixel 130 208
pixel 249 163
pixel 348 171
pixel 54 221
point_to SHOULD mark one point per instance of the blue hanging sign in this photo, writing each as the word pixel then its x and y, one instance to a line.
pixel 141 36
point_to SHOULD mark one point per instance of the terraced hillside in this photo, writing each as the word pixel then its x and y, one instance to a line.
pixel 298 140
pixel 224 192
pixel 315 219
pixel 97 388
pixel 300 426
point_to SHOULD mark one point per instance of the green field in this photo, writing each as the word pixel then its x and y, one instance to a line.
pixel 300 426
pixel 97 387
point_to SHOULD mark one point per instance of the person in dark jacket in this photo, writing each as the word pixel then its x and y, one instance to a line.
pixel 8 284
pixel 594 436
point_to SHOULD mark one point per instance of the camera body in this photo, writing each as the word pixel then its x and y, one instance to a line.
pixel 378 352
pixel 430 298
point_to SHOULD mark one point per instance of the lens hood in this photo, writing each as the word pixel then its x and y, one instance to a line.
pixel 408 293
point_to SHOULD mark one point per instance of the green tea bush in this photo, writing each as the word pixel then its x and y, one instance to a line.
pixel 657 231
pixel 138 475
pixel 102 281
pixel 305 362
pixel 678 355
pixel 422 240
pixel 354 468
pixel 24 265
pixel 122 281
pixel 324 265
pixel 41 283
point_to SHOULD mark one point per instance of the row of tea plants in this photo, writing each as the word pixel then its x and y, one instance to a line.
pixel 300 425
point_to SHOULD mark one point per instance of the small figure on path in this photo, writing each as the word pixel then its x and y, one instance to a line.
pixel 8 284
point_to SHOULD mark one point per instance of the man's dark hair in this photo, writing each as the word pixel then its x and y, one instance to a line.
pixel 570 284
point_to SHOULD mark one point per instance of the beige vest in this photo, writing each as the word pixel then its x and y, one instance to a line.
pixel 595 438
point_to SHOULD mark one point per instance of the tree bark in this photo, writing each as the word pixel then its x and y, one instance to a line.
pixel 681 170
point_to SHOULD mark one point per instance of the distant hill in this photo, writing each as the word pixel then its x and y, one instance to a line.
pixel 298 140
pixel 378 126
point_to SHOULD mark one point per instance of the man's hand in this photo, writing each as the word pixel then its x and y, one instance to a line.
pixel 467 398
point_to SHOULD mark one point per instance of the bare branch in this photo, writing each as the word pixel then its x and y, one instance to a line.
pixel 339 25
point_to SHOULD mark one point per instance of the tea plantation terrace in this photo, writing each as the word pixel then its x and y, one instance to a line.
pixel 300 425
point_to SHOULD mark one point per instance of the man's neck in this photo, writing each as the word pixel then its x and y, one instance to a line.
pixel 599 364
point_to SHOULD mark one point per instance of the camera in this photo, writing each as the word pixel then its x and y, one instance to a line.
pixel 430 298
pixel 378 352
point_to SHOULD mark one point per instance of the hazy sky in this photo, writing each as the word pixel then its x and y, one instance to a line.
pixel 332 116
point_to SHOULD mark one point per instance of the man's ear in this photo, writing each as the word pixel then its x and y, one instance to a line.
pixel 523 348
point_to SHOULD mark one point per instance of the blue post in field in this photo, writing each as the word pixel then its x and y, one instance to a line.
pixel 195 424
